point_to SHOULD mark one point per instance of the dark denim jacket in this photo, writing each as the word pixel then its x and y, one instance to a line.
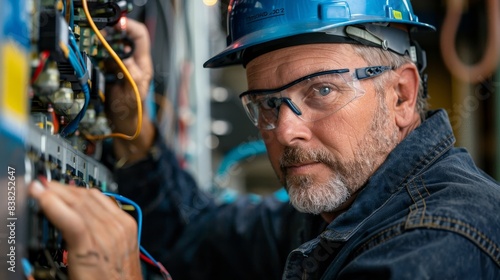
pixel 427 213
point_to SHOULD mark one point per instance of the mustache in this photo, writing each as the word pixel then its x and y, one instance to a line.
pixel 297 156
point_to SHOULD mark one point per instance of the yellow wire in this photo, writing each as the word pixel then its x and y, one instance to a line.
pixel 67 10
pixel 60 6
pixel 101 95
pixel 64 49
pixel 128 208
pixel 125 72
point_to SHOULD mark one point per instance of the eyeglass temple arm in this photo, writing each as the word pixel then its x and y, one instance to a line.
pixel 371 71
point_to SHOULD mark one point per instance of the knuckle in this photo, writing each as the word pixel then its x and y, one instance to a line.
pixel 94 192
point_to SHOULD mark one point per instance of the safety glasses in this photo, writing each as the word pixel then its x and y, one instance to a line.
pixel 311 97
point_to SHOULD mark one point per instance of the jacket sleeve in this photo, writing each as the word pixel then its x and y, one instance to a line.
pixel 194 237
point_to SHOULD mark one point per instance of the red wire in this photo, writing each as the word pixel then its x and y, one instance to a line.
pixel 148 260
pixel 43 59
pixel 55 121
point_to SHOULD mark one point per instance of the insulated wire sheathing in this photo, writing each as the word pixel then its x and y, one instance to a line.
pixel 80 70
pixel 44 56
pixel 137 208
pixel 71 14
pixel 28 269
pixel 73 125
pixel 123 199
pixel 74 45
pixel 489 62
pixel 127 75
pixel 67 9
pixel 145 256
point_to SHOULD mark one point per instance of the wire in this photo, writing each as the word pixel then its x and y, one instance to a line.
pixel 80 73
pixel 71 14
pixel 63 4
pixel 147 255
pixel 123 199
pixel 127 75
pixel 64 49
pixel 144 254
pixel 53 116
pixel 44 56
pixel 74 45
pixel 27 268
pixel 146 259
pixel 67 9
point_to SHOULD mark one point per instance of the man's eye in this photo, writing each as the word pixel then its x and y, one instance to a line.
pixel 273 102
pixel 267 103
pixel 324 90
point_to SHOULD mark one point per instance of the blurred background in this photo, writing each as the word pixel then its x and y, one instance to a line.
pixel 201 116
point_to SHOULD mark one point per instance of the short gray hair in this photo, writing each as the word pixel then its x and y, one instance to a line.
pixel 376 56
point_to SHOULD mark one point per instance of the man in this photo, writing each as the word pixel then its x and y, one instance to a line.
pixel 335 89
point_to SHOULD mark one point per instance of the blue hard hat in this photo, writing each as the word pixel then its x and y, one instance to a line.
pixel 259 26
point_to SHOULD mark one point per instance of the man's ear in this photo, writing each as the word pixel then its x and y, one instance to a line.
pixel 406 89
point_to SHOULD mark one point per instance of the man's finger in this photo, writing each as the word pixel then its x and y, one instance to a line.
pixel 62 216
pixel 139 34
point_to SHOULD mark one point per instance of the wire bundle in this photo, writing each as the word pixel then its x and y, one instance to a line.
pixel 79 65
pixel 76 60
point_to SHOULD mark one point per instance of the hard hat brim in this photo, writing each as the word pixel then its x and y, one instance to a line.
pixel 232 54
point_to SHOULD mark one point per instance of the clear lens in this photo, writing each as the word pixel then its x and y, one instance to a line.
pixel 310 99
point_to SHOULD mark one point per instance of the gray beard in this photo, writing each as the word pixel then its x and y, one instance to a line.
pixel 309 196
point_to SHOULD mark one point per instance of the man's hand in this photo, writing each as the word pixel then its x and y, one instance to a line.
pixel 101 238
pixel 121 100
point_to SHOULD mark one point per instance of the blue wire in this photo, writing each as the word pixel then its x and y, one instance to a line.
pixel 137 209
pixel 74 61
pixel 147 254
pixel 74 45
pixel 64 8
pixel 71 15
pixel 80 73
pixel 73 125
pixel 27 267
pixel 80 66
pixel 139 222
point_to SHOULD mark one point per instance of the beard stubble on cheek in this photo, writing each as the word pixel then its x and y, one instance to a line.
pixel 310 194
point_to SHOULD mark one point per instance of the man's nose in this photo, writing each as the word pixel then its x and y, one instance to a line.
pixel 290 128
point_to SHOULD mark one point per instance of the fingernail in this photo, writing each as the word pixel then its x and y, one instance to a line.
pixel 37 187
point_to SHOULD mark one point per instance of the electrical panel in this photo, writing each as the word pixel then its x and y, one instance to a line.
pixel 52 121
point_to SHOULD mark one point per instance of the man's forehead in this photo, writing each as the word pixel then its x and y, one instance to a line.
pixel 288 64
pixel 309 50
